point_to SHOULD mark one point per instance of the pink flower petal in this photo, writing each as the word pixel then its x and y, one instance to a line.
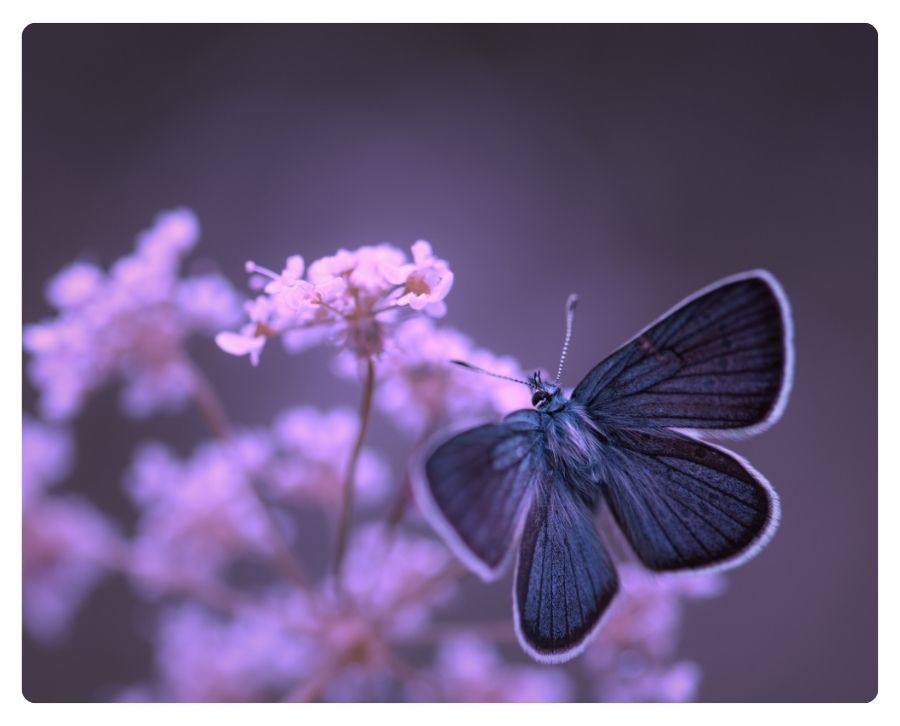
pixel 237 344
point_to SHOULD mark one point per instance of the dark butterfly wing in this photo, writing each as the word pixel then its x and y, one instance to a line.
pixel 564 578
pixel 685 504
pixel 721 360
pixel 478 483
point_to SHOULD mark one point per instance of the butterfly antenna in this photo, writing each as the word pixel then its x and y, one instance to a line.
pixel 469 366
pixel 570 318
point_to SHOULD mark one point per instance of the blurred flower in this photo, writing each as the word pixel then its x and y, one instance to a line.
pixel 293 644
pixel 128 324
pixel 199 514
pixel 469 670
pixel 312 449
pixel 66 546
pixel 391 584
pixel 633 657
pixel 46 458
pixel 350 298
pixel 395 579
pixel 640 682
pixel 202 657
pixel 66 542
pixel 420 390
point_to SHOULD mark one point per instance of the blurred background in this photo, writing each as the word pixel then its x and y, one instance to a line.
pixel 632 164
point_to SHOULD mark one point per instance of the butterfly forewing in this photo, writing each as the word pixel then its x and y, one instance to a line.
pixel 722 361
pixel 682 503
pixel 564 579
pixel 479 480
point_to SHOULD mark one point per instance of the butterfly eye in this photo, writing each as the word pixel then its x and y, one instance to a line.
pixel 538 397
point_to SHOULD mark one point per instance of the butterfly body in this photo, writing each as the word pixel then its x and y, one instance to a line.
pixel 571 444
pixel 627 439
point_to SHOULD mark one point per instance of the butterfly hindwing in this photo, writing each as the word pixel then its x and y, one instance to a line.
pixel 684 504
pixel 564 578
pixel 722 360
pixel 478 483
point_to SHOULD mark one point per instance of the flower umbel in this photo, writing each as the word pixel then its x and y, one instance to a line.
pixel 351 298
pixel 129 324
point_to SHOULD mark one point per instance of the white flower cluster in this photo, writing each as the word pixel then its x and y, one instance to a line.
pixel 348 297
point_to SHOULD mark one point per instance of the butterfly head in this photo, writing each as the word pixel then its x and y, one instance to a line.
pixel 545 396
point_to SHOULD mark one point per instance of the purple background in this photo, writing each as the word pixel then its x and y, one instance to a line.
pixel 632 164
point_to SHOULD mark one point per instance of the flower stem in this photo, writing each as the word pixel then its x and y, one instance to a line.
pixel 452 572
pixel 399 505
pixel 404 496
pixel 209 405
pixel 213 412
pixel 500 631
pixel 343 530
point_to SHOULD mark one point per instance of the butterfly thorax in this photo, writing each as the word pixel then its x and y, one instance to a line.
pixel 573 442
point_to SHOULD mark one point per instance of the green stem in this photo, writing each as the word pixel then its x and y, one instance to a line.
pixel 343 530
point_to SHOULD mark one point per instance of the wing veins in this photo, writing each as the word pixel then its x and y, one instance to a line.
pixel 741 322
pixel 482 460
pixel 665 500
pixel 575 587
pixel 677 373
pixel 659 525
pixel 748 326
pixel 707 304
pixel 706 325
pixel 545 538
pixel 719 374
pixel 706 483
pixel 737 351
pixel 716 507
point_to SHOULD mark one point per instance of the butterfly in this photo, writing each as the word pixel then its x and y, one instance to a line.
pixel 630 438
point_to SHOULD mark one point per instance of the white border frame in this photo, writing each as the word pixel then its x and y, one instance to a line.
pixel 17 15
